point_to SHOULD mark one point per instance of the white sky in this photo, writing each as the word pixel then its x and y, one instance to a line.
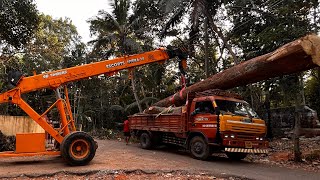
pixel 79 11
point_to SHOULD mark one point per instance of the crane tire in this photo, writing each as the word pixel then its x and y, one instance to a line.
pixel 78 148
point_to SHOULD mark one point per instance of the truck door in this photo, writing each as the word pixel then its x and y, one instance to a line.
pixel 203 119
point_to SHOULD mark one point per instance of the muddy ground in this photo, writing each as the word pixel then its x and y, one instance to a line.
pixel 115 160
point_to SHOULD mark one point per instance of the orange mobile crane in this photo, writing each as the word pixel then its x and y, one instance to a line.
pixel 77 148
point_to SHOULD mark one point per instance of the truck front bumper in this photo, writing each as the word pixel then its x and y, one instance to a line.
pixel 245 146
pixel 244 150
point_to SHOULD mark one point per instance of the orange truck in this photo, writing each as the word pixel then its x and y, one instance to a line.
pixel 77 148
pixel 211 121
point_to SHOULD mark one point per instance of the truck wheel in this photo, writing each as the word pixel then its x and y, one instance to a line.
pixel 78 148
pixel 199 148
pixel 145 141
pixel 236 156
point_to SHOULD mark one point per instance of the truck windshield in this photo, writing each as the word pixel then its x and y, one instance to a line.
pixel 236 108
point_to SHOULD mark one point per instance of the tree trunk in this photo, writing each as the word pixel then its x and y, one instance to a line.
pixel 224 39
pixel 143 93
pixel 300 100
pixel 296 141
pixel 268 111
pixel 133 83
pixel 297 56
pixel 206 45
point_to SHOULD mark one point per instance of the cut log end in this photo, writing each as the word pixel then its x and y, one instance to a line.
pixel 311 45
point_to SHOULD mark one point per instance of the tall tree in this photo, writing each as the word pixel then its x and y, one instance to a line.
pixel 18 20
pixel 202 11
pixel 54 42
pixel 115 34
pixel 54 45
pixel 114 31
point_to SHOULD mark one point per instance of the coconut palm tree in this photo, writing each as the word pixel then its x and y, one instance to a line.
pixel 115 34
pixel 199 11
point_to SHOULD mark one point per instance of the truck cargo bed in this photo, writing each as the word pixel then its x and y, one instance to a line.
pixel 165 123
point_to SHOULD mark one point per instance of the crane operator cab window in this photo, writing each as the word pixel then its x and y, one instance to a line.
pixel 203 107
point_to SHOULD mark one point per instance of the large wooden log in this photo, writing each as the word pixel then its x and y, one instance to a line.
pixel 296 56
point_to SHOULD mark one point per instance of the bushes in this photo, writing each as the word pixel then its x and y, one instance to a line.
pixel 7 143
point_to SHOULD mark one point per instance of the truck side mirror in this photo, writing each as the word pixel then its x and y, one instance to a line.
pixel 217 110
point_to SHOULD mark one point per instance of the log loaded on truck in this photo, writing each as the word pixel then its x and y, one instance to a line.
pixel 211 121
pixel 77 148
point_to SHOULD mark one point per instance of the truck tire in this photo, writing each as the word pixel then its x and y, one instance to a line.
pixel 236 156
pixel 199 148
pixel 145 141
pixel 78 148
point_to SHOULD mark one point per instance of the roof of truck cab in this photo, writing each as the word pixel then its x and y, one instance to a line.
pixel 215 97
pixel 229 99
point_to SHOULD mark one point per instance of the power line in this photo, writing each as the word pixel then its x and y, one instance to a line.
pixel 271 6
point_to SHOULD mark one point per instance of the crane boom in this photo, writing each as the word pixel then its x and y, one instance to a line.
pixel 57 78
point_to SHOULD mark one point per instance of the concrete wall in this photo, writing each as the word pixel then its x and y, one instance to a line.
pixel 11 125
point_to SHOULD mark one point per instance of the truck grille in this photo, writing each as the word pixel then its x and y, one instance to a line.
pixel 252 128
pixel 247 130
pixel 245 137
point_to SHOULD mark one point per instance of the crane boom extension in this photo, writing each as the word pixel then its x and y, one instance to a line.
pixel 55 79
pixel 67 135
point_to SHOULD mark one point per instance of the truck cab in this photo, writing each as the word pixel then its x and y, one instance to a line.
pixel 228 123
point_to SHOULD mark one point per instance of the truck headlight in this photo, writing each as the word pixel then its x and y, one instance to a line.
pixel 226 136
pixel 257 138
pixel 261 139
pixel 232 136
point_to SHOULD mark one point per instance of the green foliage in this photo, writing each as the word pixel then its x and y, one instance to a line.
pixel 18 20
pixel 312 90
pixel 114 31
pixel 175 10
pixel 260 27
pixel 52 46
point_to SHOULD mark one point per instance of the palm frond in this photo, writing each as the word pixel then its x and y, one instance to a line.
pixel 199 7
pixel 175 19
pixel 103 22
pixel 135 23
pixel 132 45
pixel 149 99
pixel 170 5
pixel 121 10
pixel 102 41
pixel 116 108
pixel 144 100
pixel 130 106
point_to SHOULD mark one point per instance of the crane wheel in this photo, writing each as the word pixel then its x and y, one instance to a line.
pixel 78 148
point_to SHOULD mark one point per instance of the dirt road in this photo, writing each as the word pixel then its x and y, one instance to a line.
pixel 114 156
